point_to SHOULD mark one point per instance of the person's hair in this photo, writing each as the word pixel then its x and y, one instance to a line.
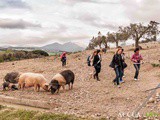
pixel 137 49
pixel 98 51
pixel 95 51
pixel 122 49
pixel 118 50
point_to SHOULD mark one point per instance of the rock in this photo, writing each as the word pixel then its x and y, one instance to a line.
pixel 151 100
pixel 98 115
pixel 157 95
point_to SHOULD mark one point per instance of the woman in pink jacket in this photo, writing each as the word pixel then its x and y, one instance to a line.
pixel 63 58
pixel 136 58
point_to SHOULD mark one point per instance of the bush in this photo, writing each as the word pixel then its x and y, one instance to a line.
pixel 19 55
pixel 40 52
pixel 155 65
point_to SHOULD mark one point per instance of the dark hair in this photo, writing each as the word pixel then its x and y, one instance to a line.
pixel 137 49
pixel 122 50
pixel 98 51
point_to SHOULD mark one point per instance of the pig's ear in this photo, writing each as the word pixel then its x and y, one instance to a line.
pixel 46 85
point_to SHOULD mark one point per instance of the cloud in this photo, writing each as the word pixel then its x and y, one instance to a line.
pixel 17 24
pixel 28 37
pixel 20 4
pixel 39 39
pixel 142 10
pixel 73 2
pixel 96 21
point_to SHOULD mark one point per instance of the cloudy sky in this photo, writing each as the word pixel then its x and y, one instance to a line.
pixel 40 22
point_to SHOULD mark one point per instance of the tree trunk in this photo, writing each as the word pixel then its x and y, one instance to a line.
pixel 136 43
pixel 106 45
pixel 117 44
pixel 100 46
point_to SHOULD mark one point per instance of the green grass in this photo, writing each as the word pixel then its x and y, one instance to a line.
pixel 155 65
pixel 53 53
pixel 13 114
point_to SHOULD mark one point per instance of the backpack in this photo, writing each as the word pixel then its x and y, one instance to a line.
pixel 88 58
pixel 112 65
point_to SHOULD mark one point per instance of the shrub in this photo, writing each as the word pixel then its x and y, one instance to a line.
pixel 1 59
pixel 40 52
pixel 155 65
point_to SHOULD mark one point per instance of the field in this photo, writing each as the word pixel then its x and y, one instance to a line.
pixel 91 98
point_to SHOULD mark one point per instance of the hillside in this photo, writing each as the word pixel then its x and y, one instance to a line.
pixel 89 97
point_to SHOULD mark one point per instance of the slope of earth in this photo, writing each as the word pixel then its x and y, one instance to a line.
pixel 90 97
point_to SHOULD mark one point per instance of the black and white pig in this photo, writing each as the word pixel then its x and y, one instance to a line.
pixel 61 79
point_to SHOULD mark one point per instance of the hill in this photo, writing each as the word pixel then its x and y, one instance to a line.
pixel 68 47
pixel 90 97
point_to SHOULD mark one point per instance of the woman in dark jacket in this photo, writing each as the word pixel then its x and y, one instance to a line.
pixel 118 66
pixel 97 64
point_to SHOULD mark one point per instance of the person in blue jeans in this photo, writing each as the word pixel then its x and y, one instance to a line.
pixel 123 59
pixel 136 59
pixel 118 66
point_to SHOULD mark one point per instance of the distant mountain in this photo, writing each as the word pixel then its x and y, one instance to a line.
pixel 54 47
pixel 69 47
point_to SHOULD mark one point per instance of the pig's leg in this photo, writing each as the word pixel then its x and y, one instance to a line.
pixel 22 86
pixel 63 87
pixel 69 86
pixel 38 88
pixel 19 86
pixel 35 87
pixel 72 86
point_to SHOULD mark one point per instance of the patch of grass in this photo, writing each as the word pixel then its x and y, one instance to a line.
pixel 2 107
pixel 112 52
pixel 17 114
pixel 155 65
pixel 54 53
pixel 13 114
pixel 46 116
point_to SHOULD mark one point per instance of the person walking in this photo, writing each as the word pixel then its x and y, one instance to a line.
pixel 136 59
pixel 117 64
pixel 124 64
pixel 89 60
pixel 97 64
pixel 63 59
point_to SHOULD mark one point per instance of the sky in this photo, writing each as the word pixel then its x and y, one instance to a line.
pixel 41 22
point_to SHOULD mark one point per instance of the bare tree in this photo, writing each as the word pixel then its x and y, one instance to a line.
pixel 138 31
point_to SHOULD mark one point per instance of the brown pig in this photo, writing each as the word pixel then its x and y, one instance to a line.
pixel 32 80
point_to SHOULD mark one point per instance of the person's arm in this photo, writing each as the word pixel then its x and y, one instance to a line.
pixel 140 57
pixel 124 57
pixel 91 58
pixel 113 59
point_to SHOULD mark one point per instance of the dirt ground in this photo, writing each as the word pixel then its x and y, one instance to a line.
pixel 90 97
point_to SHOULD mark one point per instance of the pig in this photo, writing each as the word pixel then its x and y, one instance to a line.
pixel 61 79
pixel 9 86
pixel 12 77
pixel 33 80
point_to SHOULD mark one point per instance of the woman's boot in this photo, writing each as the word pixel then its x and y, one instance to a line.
pixel 97 77
pixel 94 76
